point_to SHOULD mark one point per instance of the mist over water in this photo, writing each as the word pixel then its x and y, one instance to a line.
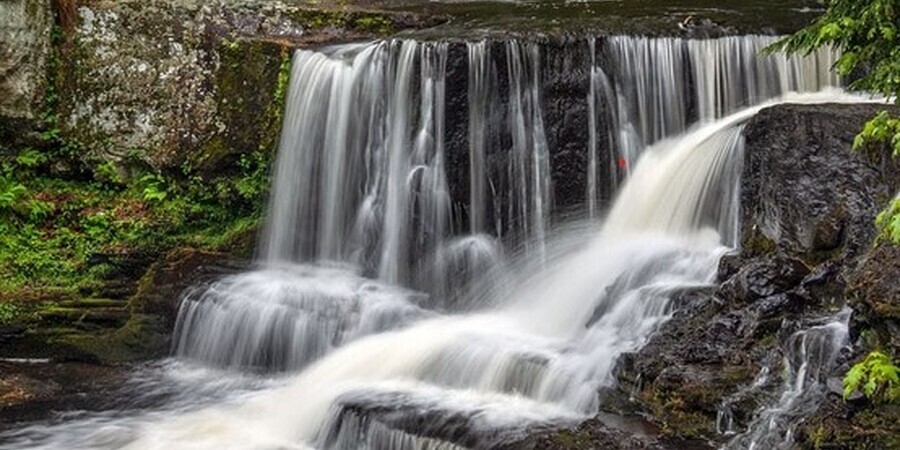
pixel 378 310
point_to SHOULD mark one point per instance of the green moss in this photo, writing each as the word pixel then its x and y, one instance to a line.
pixel 374 24
pixel 756 243
pixel 141 337
pixel 572 440
pixel 678 416
pixel 365 22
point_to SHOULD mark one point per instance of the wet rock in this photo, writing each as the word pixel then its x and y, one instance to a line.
pixel 762 278
pixel 591 434
pixel 33 390
pixel 874 293
pixel 853 424
pixel 11 332
pixel 729 265
pixel 804 189
pixel 565 84
pixel 808 207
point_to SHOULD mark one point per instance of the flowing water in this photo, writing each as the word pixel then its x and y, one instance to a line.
pixel 389 314
pixel 809 357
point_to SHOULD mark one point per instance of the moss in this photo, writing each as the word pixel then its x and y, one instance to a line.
pixel 363 22
pixel 374 24
pixel 142 337
pixel 251 77
pixel 572 440
pixel 756 243
pixel 677 412
pixel 869 429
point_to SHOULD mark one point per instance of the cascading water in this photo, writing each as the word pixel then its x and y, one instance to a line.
pixel 660 86
pixel 809 357
pixel 361 195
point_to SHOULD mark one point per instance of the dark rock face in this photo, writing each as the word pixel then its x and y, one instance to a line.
pixel 804 189
pixel 565 86
pixel 38 390
pixel 764 277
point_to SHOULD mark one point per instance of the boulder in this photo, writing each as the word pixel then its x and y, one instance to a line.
pixel 764 277
pixel 25 27
pixel 804 189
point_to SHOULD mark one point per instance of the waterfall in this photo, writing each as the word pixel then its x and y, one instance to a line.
pixel 361 183
pixel 386 311
pixel 540 355
pixel 360 171
pixel 480 89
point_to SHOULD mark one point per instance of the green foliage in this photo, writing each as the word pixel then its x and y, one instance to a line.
pixel 154 187
pixel 8 312
pixel 284 80
pixel 882 128
pixel 11 193
pixel 30 158
pixel 866 34
pixel 54 226
pixel 108 173
pixel 876 376
pixel 888 222
pixel 253 183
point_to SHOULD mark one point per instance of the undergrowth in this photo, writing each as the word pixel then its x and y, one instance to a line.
pixel 57 228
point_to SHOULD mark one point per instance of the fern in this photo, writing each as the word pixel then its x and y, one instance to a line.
pixel 876 376
pixel 154 187
pixel 30 158
pixel 10 193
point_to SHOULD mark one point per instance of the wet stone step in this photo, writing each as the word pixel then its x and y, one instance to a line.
pixel 98 316
pixel 93 303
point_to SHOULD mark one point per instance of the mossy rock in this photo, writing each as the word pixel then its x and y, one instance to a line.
pixel 142 337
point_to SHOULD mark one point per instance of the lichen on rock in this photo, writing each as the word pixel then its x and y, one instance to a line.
pixel 25 27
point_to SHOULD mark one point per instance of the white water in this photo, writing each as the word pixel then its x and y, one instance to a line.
pixel 809 357
pixel 361 180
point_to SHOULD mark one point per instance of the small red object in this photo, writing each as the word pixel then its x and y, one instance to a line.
pixel 622 162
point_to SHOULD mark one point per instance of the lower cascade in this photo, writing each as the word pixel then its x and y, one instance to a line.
pixel 388 312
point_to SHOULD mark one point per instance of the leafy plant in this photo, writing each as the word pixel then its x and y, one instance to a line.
pixel 154 187
pixel 876 376
pixel 888 221
pixel 8 312
pixel 108 173
pixel 30 158
pixel 882 128
pixel 11 193
pixel 866 34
